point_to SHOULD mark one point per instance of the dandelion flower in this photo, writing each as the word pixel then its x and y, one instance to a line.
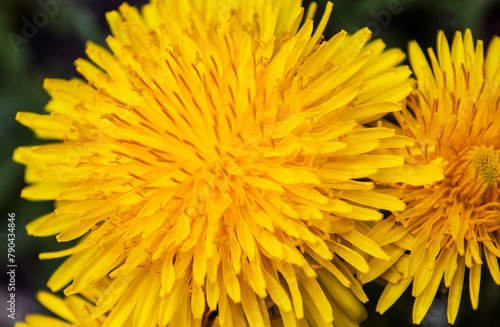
pixel 213 160
pixel 452 114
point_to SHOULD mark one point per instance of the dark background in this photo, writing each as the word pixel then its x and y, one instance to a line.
pixel 50 50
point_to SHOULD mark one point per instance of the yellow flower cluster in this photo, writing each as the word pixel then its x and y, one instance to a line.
pixel 224 165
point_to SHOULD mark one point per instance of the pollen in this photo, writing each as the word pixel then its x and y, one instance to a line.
pixel 487 163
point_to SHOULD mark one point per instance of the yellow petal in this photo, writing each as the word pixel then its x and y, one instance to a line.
pixel 197 302
pixel 424 300
pixel 277 293
pixel 43 191
pixel 263 183
pixel 376 200
pixel 50 224
pixel 292 176
pixel 391 293
pixel 474 283
pixel 350 256
pixel 66 272
pixel 231 281
pixel 364 243
pixel 456 291
pixel 378 266
pixel 44 321
pixel 349 302
pixel 251 306
pixel 314 296
pixel 56 305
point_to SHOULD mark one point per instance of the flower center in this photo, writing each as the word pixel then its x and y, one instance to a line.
pixel 487 162
pixel 475 177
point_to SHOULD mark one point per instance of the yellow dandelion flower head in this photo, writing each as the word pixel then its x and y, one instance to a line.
pixel 452 114
pixel 213 158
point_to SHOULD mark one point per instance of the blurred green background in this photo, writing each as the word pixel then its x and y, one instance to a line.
pixel 60 38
